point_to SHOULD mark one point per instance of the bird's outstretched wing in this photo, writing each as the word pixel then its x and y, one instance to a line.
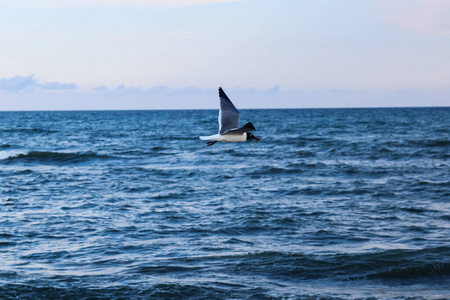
pixel 228 114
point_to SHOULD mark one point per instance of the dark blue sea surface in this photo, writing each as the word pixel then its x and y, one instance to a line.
pixel 330 204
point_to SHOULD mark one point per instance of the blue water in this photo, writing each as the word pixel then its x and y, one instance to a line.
pixel 330 204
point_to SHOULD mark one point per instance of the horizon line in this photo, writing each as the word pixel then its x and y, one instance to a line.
pixel 213 109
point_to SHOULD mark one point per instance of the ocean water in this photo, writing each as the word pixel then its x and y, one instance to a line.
pixel 330 204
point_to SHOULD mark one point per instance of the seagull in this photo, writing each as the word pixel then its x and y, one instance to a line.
pixel 228 124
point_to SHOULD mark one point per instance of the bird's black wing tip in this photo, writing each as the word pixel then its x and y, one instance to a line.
pixel 222 93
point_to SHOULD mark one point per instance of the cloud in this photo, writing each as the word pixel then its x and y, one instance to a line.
pixel 207 98
pixel 19 83
pixel 100 88
pixel 46 96
pixel 128 89
pixel 109 3
pixel 57 86
pixel 425 16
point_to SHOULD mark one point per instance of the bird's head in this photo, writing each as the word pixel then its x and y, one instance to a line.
pixel 251 136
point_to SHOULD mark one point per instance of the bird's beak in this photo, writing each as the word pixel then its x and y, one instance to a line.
pixel 256 139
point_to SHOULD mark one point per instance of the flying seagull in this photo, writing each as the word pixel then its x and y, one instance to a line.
pixel 228 124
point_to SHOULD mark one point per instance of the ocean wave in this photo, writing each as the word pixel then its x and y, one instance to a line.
pixel 28 130
pixel 165 269
pixel 279 169
pixel 402 264
pixel 414 272
pixel 434 143
pixel 121 291
pixel 412 143
pixel 48 157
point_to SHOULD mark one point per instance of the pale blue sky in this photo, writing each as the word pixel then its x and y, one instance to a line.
pixel 146 54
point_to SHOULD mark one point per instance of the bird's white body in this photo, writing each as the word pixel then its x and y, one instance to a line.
pixel 231 138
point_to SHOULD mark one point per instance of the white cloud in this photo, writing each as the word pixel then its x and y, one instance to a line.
pixel 57 86
pixel 109 3
pixel 19 83
pixel 426 16
pixel 161 97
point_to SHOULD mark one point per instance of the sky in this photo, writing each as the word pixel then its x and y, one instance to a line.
pixel 174 54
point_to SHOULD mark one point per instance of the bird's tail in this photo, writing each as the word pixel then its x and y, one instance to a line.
pixel 249 127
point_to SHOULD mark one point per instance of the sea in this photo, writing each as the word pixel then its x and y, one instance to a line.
pixel 330 204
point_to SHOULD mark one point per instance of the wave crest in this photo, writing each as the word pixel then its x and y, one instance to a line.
pixel 48 157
